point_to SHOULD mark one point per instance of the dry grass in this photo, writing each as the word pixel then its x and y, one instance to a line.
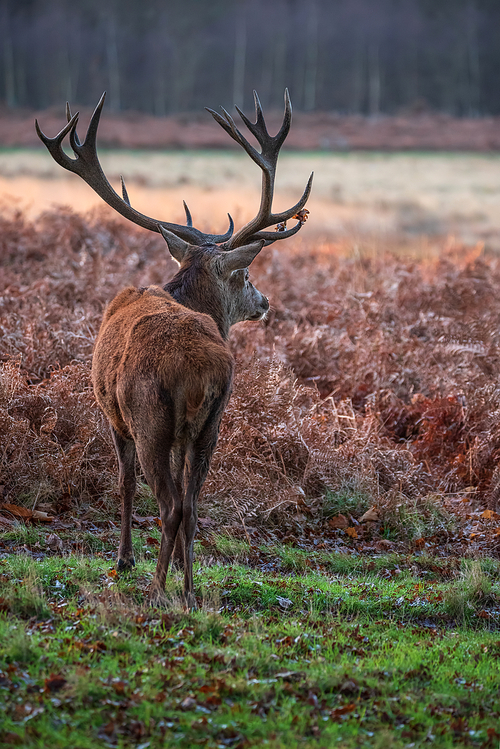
pixel 373 374
pixel 387 195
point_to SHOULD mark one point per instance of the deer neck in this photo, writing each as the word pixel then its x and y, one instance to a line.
pixel 194 291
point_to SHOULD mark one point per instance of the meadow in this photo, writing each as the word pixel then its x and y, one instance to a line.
pixel 353 497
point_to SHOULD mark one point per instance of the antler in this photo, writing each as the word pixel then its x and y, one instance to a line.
pixel 267 160
pixel 87 166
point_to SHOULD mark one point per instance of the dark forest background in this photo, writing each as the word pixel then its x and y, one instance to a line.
pixel 167 56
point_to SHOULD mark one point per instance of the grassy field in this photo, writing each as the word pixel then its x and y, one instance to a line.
pixel 368 193
pixel 287 649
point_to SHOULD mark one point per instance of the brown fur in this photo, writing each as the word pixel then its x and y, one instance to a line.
pixel 148 339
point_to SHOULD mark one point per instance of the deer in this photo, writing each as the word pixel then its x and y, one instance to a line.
pixel 162 370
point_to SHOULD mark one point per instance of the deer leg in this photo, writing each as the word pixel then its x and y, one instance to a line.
pixel 199 459
pixel 125 451
pixel 178 463
pixel 154 458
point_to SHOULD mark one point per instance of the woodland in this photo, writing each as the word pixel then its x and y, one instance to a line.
pixel 170 56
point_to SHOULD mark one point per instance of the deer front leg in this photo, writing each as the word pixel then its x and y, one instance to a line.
pixel 125 451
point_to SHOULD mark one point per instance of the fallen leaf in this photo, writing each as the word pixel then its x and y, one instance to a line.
pixel 371 515
pixel 119 686
pixel 419 543
pixel 17 510
pixel 204 522
pixel 54 542
pixel 338 521
pixel 44 517
pixel 490 515
pixel 349 687
pixel 484 614
pixel 188 704
pixel 108 729
pixel 290 675
pixel 352 532
pixel 54 683
pixel 312 699
pixel 344 710
pixel 384 543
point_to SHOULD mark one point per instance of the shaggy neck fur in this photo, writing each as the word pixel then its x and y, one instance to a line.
pixel 194 287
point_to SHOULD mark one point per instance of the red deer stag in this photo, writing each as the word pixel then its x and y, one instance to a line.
pixel 162 369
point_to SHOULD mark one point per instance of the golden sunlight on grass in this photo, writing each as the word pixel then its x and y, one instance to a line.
pixel 358 193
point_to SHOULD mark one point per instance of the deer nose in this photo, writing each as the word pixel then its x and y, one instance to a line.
pixel 265 303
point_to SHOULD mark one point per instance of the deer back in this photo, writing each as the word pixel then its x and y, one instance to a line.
pixel 152 351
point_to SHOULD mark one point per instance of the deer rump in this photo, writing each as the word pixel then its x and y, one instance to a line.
pixel 158 362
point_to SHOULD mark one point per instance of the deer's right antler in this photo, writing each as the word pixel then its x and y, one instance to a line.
pixel 86 165
pixel 267 160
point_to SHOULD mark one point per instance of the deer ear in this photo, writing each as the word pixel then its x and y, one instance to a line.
pixel 241 257
pixel 175 244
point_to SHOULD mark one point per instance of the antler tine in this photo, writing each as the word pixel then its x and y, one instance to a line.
pixel 227 123
pixel 68 117
pixel 124 192
pixel 189 220
pixel 54 144
pixel 259 126
pixel 86 165
pixel 267 160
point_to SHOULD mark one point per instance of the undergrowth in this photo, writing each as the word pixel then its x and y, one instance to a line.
pixel 371 383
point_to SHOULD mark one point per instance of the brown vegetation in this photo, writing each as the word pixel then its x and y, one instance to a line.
pixel 325 131
pixel 374 377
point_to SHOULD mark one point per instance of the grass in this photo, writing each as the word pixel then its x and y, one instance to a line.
pixel 368 192
pixel 296 649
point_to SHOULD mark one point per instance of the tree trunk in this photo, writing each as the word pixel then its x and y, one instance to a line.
pixel 373 78
pixel 357 76
pixel 474 93
pixel 8 60
pixel 240 54
pixel 113 61
pixel 311 62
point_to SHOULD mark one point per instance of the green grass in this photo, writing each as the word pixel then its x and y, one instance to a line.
pixel 297 650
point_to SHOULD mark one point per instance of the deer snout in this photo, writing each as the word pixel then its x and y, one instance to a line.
pixel 261 310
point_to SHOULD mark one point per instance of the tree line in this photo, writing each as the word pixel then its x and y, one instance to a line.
pixel 167 56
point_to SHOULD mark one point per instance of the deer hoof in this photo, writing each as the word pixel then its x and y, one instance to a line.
pixel 125 565
pixel 157 598
pixel 190 601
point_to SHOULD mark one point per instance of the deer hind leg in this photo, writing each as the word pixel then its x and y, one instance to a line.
pixel 198 463
pixel 125 451
pixel 154 457
pixel 178 461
